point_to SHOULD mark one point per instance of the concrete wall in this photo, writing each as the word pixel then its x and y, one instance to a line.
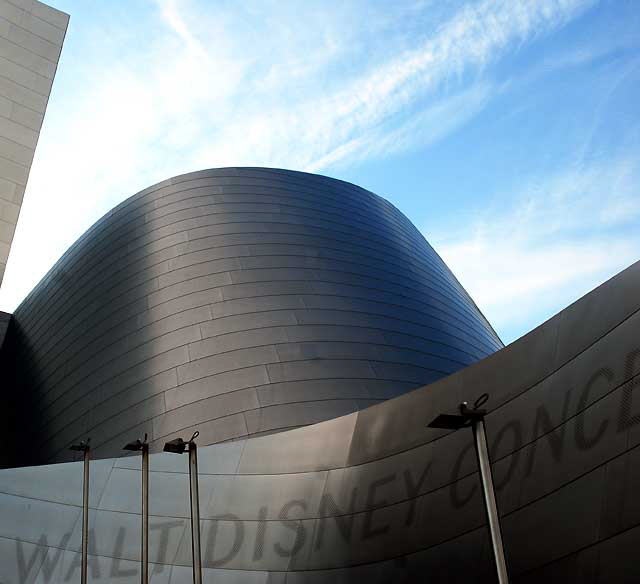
pixel 31 36
pixel 376 496
pixel 243 301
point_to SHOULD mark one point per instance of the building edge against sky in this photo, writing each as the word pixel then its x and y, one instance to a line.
pixel 292 317
pixel 243 301
pixel 31 37
pixel 374 495
pixel 377 496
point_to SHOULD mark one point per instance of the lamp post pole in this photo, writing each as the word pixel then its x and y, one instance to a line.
pixel 178 445
pixel 195 512
pixel 466 417
pixel 143 448
pixel 489 495
pixel 144 572
pixel 85 449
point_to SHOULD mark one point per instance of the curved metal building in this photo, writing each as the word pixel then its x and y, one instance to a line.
pixel 238 301
pixel 376 496
pixel 242 302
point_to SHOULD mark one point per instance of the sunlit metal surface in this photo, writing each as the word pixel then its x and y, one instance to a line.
pixel 239 302
pixel 375 496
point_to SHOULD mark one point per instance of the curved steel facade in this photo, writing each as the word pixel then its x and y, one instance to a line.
pixel 240 302
pixel 376 496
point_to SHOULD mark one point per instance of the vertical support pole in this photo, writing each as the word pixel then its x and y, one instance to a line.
pixel 145 514
pixel 195 513
pixel 493 519
pixel 85 516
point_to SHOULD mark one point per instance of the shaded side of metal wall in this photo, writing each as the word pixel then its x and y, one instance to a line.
pixel 376 496
pixel 9 398
pixel 240 301
pixel 5 319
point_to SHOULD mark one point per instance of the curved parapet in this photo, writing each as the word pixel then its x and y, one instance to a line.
pixel 376 496
pixel 240 301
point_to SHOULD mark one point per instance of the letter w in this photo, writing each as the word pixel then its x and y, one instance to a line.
pixel 48 560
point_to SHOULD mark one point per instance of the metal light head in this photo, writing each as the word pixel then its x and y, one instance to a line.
pixel 137 445
pixel 177 446
pixel 463 417
pixel 81 446
pixel 449 421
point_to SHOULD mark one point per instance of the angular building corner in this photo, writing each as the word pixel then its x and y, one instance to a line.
pixel 31 37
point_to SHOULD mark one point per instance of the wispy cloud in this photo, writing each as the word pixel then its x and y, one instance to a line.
pixel 299 86
pixel 423 127
pixel 347 121
pixel 561 236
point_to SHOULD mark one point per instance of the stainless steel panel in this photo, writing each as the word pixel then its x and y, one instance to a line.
pixel 228 361
pixel 217 384
pixel 316 369
pixel 296 414
pixel 315 448
pixel 580 503
pixel 326 389
pixel 59 483
pixel 248 497
pixel 245 322
pixel 28 519
pixel 582 322
pixel 238 340
pixel 204 410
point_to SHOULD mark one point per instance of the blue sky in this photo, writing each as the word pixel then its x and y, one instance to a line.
pixel 506 130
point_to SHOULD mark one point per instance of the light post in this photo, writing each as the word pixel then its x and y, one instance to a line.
pixel 466 417
pixel 178 446
pixel 85 449
pixel 143 447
